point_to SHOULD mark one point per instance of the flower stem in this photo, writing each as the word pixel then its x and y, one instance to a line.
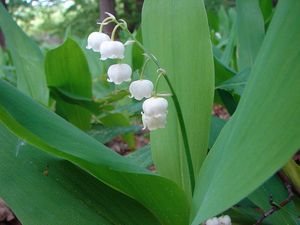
pixel 144 67
pixel 113 34
pixel 183 132
pixel 178 110
pixel 156 83
pixel 105 22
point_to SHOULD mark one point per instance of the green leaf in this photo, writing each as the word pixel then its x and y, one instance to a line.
pixel 261 136
pixel 119 119
pixel 228 100
pixel 137 53
pixel 222 72
pixel 266 7
pixel 142 156
pixel 95 65
pixel 47 131
pixel 184 51
pixel 67 69
pixel 231 42
pixel 217 125
pixel 250 31
pixel 27 58
pixel 237 83
pixel 105 134
pixel 36 185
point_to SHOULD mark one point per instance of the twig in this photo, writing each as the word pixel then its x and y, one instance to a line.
pixel 276 207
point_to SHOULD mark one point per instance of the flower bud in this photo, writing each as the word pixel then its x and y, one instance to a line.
pixel 224 220
pixel 112 50
pixel 212 221
pixel 155 113
pixel 95 39
pixel 140 89
pixel 119 73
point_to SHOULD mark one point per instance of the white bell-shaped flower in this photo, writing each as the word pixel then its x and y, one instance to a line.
pixel 154 113
pixel 119 73
pixel 155 106
pixel 140 89
pixel 95 39
pixel 224 220
pixel 212 221
pixel 112 50
pixel 154 122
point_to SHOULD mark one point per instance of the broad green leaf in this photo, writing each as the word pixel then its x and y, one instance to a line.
pixel 95 106
pixel 105 134
pixel 217 125
pixel 250 31
pixel 236 83
pixel 75 114
pixel 263 129
pixel 44 129
pixel 231 43
pixel 184 50
pixel 27 58
pixel 228 100
pixel 222 72
pixel 93 58
pixel 42 189
pixel 266 7
pixel 137 53
pixel 119 119
pixel 86 103
pixel 261 197
pixel 142 156
pixel 67 69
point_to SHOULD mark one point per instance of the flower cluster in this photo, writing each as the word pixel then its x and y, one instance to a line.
pixel 223 220
pixel 154 108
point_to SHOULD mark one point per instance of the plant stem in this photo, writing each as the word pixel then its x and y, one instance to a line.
pixel 184 133
pixel 113 34
pixel 144 67
pixel 106 21
pixel 276 207
pixel 178 110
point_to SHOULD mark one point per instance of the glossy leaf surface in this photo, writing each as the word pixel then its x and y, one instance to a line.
pixel 184 51
pixel 42 189
pixel 47 131
pixel 262 130
pixel 27 58
pixel 67 70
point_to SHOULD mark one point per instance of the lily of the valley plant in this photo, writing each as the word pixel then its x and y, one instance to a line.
pixel 239 170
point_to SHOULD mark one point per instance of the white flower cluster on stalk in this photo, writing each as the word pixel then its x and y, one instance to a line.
pixel 154 113
pixel 223 220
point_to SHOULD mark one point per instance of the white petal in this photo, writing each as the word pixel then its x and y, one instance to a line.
pixel 141 89
pixel 119 73
pixel 155 106
pixel 225 220
pixel 112 50
pixel 212 221
pixel 95 40
pixel 154 123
